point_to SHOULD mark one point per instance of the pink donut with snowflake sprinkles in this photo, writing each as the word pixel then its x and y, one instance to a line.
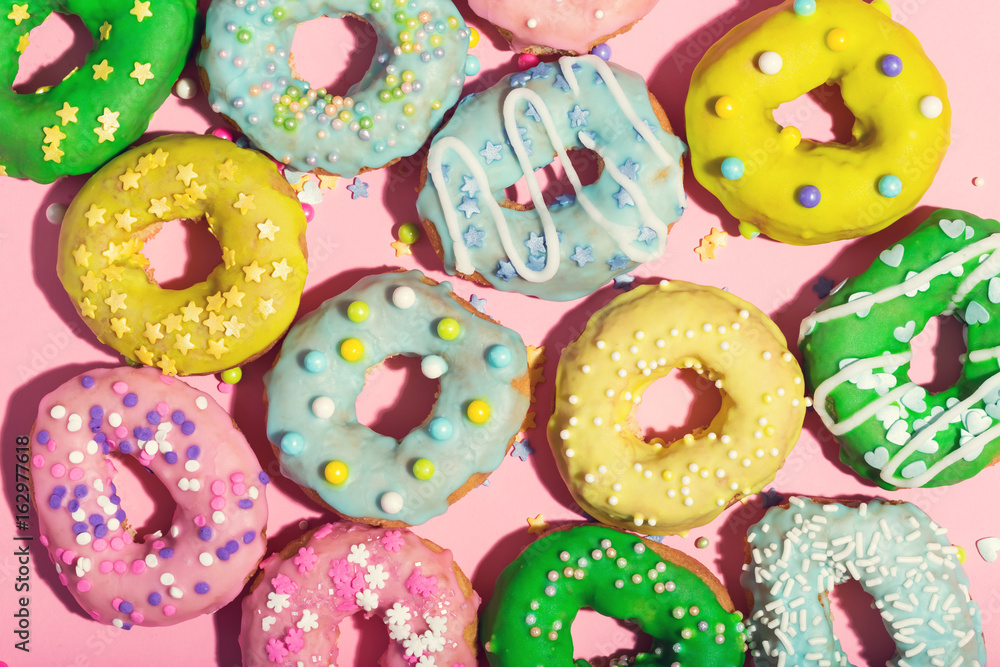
pixel 321 579
pixel 216 538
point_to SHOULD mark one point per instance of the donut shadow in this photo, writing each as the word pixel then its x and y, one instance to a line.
pixel 81 43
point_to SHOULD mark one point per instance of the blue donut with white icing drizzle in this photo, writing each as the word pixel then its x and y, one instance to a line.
pixel 482 370
pixel 568 247
pixel 417 75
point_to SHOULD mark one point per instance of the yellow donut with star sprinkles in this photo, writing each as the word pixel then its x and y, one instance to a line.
pixel 243 305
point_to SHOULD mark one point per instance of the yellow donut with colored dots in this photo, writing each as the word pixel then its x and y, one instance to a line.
pixel 242 306
pixel 624 481
pixel 800 191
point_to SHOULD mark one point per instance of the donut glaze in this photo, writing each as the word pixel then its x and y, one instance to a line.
pixel 798 553
pixel 216 537
pixel 300 596
pixel 624 481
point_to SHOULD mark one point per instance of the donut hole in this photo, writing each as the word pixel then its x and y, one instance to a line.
pixel 820 115
pixel 362 641
pixel 600 639
pixel 936 363
pixel 146 501
pixel 348 45
pixel 397 397
pixel 57 47
pixel 553 181
pixel 855 615
pixel 181 253
pixel 680 387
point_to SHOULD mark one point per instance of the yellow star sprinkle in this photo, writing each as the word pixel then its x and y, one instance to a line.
pixel 3 170
pixel 166 364
pixel 265 307
pixel 401 248
pixel 105 31
pixel 114 251
pixel 140 11
pixel 214 323
pixel 87 309
pixel 159 207
pixel 159 158
pixel 529 421
pixel 234 297
pixel 112 273
pixel 267 229
pixel 229 257
pixel 90 282
pixel 233 327
pixel 281 269
pixel 81 256
pixel 102 70
pixel 109 118
pixel 124 220
pixel 227 170
pixel 191 312
pixel 52 153
pixel 245 203
pixel 185 172
pixel 142 73
pixel 196 191
pixel 183 200
pixel 536 365
pixel 537 524
pixel 119 326
pixel 183 343
pixel 153 333
pixel 53 135
pixel 327 181
pixel 130 180
pixel 19 13
pixel 67 114
pixel 23 42
pixel 105 134
pixel 144 355
pixel 252 272
pixel 215 303
pixel 172 322
pixel 116 302
pixel 217 348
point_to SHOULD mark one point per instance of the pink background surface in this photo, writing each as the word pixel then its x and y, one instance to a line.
pixel 44 342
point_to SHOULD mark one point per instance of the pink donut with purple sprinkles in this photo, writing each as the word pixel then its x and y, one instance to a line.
pixel 216 538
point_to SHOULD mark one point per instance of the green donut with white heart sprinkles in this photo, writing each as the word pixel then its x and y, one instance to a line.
pixel 857 350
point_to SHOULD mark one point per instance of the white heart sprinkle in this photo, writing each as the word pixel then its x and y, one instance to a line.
pixel 267 622
pixel 988 548
pixel 993 410
pixel 923 288
pixel 898 433
pixel 969 233
pixel 953 228
pixel 904 333
pixel 893 256
pixel 976 421
pixel 877 458
pixel 994 290
pixel 858 295
pixel 915 469
pixel 914 399
pixel 976 314
pixel 888 415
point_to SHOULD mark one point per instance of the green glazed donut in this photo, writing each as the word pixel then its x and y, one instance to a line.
pixel 99 109
pixel 856 348
pixel 670 595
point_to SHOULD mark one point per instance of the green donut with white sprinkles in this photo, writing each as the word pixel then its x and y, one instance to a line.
pixel 857 352
pixel 103 106
pixel 670 595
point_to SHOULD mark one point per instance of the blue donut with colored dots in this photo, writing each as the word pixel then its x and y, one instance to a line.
pixel 482 371
pixel 564 245
pixel 417 75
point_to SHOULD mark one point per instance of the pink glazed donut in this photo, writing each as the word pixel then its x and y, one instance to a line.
pixel 566 26
pixel 189 442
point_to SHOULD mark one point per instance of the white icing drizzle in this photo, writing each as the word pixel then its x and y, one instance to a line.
pixel 986 270
pixel 977 356
pixel 859 367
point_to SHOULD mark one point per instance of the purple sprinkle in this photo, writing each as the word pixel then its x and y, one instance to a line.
pixel 130 400
pixel 187 428
pixel 249 536
pixel 115 498
pixel 154 599
pixel 232 546
pixel 222 553
pixel 79 527
pixel 201 588
pixel 170 457
pixel 87 381
pixel 124 446
pixel 891 65
pixel 126 626
pixel 153 417
pixel 96 412
pixel 105 448
pixel 80 490
pixel 59 491
pixel 96 520
pixel 95 425
pixel 120 514
pixel 73 505
pixel 42 437
pixel 177 417
pixel 100 531
pixel 264 479
pixel 193 452
pixel 809 196
pixel 125 607
pixel 55 501
pixel 205 533
pixel 142 433
pixel 245 504
pixel 166 552
pixel 100 438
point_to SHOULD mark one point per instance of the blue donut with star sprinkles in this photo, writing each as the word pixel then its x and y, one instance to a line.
pixel 558 247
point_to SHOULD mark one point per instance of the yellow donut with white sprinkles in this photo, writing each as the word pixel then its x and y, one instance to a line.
pixel 624 481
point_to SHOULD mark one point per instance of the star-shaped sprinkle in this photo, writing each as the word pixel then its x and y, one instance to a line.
pixel 102 70
pixel 646 235
pixel 105 134
pixel 109 118
pixel 529 421
pixel 217 348
pixel 561 83
pixel 505 270
pixel 624 198
pixel 469 206
pixel 245 203
pixel 491 153
pixel 23 42
pixel 191 312
pixel 617 263
pixel 535 243
pixel 267 229
pixel 638 134
pixel 708 245
pixel 114 251
pixel 142 72
pixel 532 113
pixel 183 343
pixel 19 13
pixel 81 256
pixel 477 303
pixel 144 355
pixel 540 71
pixel 583 255
pixel 119 326
pixel 252 272
pixel 215 302
pixel 130 180
pixel 536 262
pixel 771 498
pixel 90 282
pixel 234 298
pixel 578 116
pixel 140 11
pixel 565 200
pixel 67 114
pixel 624 282
pixel 214 322
pixel 186 173
pixel 172 322
pixel 227 170
pixel 265 307
pixel 116 301
pixel 52 153
pixel 105 31
pixel 113 273
pixel 401 248
pixel 159 207
pixel 522 449
pixel 167 365
pixel 87 309
pixel 630 169
pixel 519 79
pixel 473 237
pixel 536 366
pixel 823 287
pixel 537 524
pixel 445 172
pixel 470 186
pixel 327 181
pixel 281 269
pixel 183 200
pixel 53 135
pixel 196 191
pixel 124 220
pixel 152 332
pixel 229 255
pixel 233 327
pixel 358 189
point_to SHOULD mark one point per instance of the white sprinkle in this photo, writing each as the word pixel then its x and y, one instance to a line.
pixel 201 402
pixel 532 23
pixel 167 579
pixel 192 465
pixel 770 63
pixel 176 593
pixel 218 517
pixel 323 407
pixel 205 558
pixel 404 297
pixel 76 456
pixel 57 412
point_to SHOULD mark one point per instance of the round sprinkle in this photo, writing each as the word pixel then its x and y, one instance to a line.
pixel 441 429
pixel 725 107
pixel 770 62
pixel 931 107
pixel 891 65
pixel 733 169
pixel 391 502
pixel 352 349
pixel 433 366
pixel 323 407
pixel 232 375
pixel 423 469
pixel 838 39
pixel 472 65
pixel 809 196
pixel 292 443
pixel 602 51
pixel 357 311
pixel 473 41
pixel 804 7
pixel 404 297
pixel 478 411
pixel 890 186
pixel 55 213
pixel 979 181
pixel 499 356
pixel 448 328
pixel 335 472
pixel 701 542
pixel 409 232
pixel 314 361
pixel 185 88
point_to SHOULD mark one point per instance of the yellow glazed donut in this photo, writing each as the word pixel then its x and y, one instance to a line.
pixel 244 304
pixel 641 336
pixel 800 191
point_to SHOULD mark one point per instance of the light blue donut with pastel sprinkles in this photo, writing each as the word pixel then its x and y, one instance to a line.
pixel 481 368
pixel 798 553
pixel 416 76
pixel 563 248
